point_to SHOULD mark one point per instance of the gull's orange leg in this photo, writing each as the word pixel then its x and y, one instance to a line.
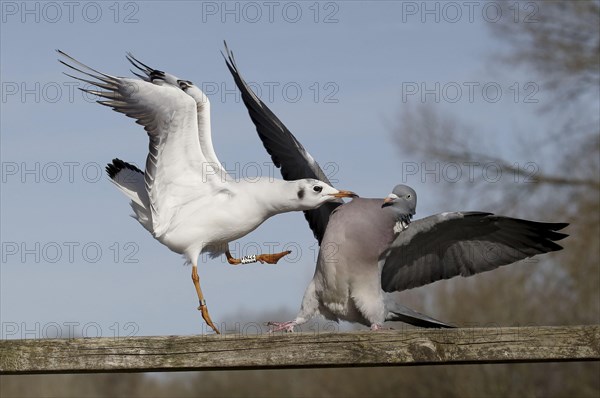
pixel 272 258
pixel 202 308
pixel 262 258
pixel 231 259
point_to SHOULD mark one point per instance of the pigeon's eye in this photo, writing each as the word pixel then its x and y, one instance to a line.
pixel 318 188
pixel 408 196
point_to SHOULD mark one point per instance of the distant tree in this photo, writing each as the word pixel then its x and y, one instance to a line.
pixel 562 183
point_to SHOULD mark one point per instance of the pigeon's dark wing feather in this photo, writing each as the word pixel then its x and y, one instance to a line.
pixel 286 151
pixel 450 244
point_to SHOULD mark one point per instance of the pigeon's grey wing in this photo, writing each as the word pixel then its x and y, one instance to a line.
pixel 285 150
pixel 451 244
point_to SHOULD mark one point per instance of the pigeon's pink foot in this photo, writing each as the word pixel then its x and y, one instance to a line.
pixel 288 326
pixel 375 327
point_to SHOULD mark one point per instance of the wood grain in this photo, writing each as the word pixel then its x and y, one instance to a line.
pixel 302 350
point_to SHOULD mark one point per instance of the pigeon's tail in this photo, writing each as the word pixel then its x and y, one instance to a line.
pixel 404 314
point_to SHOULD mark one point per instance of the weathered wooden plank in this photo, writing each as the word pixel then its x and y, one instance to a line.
pixel 234 351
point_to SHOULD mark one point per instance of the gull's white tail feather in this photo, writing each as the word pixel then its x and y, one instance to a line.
pixel 130 180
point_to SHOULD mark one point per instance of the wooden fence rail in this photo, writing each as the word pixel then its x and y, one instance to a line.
pixel 302 350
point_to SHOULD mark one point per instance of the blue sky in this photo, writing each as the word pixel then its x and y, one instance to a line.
pixel 70 253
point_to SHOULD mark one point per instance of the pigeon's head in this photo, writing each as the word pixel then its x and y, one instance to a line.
pixel 403 200
pixel 193 91
pixel 313 193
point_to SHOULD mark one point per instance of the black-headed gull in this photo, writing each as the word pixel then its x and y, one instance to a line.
pixel 185 198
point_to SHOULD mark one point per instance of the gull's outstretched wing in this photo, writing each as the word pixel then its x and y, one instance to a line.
pixel 451 244
pixel 202 107
pixel 173 174
pixel 285 150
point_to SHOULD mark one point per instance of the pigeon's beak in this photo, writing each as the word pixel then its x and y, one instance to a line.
pixel 344 194
pixel 389 200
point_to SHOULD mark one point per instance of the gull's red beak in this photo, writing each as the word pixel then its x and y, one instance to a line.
pixel 345 194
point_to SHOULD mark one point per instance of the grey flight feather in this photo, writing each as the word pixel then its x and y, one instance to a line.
pixel 151 74
pixel 285 150
pixel 462 243
pixel 121 96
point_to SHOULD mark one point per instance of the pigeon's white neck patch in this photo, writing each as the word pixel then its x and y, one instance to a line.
pixel 400 226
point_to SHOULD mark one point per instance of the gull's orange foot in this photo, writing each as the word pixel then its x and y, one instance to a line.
pixel 271 258
pixel 204 310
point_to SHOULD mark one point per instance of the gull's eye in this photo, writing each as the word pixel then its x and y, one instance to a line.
pixel 318 188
